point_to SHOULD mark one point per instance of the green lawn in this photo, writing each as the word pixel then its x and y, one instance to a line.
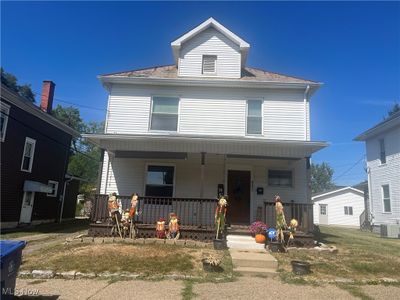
pixel 361 255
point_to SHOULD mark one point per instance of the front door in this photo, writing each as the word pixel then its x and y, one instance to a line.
pixel 238 197
pixel 27 207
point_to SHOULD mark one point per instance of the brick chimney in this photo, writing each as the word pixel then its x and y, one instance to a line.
pixel 46 103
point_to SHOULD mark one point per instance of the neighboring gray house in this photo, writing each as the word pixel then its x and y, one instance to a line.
pixel 383 166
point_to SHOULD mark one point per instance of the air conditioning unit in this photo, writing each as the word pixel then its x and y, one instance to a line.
pixel 390 231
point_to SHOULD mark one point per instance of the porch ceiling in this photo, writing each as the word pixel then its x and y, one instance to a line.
pixel 249 146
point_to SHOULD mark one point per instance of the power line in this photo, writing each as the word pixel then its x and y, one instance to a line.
pixel 75 104
pixel 349 169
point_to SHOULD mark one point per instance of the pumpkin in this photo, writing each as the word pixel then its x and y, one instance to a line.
pixel 260 238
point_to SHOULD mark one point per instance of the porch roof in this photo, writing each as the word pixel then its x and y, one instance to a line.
pixel 256 147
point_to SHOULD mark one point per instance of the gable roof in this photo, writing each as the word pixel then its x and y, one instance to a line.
pixel 392 121
pixel 338 189
pixel 248 74
pixel 29 107
pixel 211 22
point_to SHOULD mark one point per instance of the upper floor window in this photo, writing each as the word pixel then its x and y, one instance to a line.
pixel 280 178
pixel 382 151
pixel 164 114
pixel 5 111
pixel 348 210
pixel 160 181
pixel 209 64
pixel 54 188
pixel 386 198
pixel 28 154
pixel 254 117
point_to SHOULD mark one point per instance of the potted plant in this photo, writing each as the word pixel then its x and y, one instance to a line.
pixel 258 230
pixel 211 263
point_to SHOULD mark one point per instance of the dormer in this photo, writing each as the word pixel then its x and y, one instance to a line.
pixel 210 50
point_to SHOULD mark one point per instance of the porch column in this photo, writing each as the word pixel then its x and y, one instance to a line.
pixel 203 162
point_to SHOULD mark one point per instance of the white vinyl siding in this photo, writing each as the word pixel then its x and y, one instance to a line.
pixel 210 42
pixel 345 208
pixel 208 111
pixel 384 174
pixel 4 113
pixel 28 155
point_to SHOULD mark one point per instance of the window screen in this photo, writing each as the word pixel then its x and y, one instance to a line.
pixel 165 113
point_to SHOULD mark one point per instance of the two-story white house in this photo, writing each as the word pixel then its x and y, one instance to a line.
pixel 208 125
pixel 383 165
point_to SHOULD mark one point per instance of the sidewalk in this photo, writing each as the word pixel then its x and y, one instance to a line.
pixel 244 288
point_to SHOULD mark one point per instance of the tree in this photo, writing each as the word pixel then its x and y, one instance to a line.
pixel 394 109
pixel 10 81
pixel 321 177
pixel 85 159
pixel 71 117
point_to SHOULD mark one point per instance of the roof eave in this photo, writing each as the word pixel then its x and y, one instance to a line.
pixel 207 82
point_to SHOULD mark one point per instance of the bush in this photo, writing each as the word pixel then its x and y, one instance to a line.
pixel 258 227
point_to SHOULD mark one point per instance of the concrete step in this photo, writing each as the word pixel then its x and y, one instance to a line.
pixel 245 245
pixel 234 237
pixel 256 271
pixel 253 258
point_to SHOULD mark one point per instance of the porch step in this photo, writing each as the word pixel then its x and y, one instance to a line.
pixel 238 230
pixel 243 242
pixel 254 259
pixel 256 271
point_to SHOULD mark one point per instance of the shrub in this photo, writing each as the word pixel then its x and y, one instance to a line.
pixel 258 227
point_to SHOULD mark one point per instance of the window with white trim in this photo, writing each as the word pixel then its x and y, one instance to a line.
pixel 28 154
pixel 4 112
pixel 348 210
pixel 322 209
pixel 209 64
pixel 54 188
pixel 164 114
pixel 160 181
pixel 386 198
pixel 382 151
pixel 254 117
pixel 282 178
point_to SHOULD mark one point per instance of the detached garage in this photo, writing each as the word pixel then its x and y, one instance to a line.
pixel 342 206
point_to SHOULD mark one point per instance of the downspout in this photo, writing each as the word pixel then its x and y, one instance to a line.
pixel 203 161
pixel 63 197
pixel 369 209
pixel 305 98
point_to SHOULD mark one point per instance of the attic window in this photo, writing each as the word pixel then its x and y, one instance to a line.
pixel 209 64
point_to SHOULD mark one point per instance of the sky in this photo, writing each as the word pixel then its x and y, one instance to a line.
pixel 352 47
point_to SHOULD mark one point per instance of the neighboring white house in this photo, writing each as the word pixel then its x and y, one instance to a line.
pixel 383 166
pixel 342 206
pixel 208 124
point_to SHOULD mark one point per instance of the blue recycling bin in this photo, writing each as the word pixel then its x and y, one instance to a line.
pixel 10 254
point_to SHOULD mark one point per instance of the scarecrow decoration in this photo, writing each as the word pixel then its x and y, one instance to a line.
pixel 160 229
pixel 292 230
pixel 220 215
pixel 133 211
pixel 280 219
pixel 114 212
pixel 126 223
pixel 173 227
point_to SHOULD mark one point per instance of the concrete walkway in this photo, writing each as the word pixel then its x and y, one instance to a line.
pixel 249 257
pixel 244 288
